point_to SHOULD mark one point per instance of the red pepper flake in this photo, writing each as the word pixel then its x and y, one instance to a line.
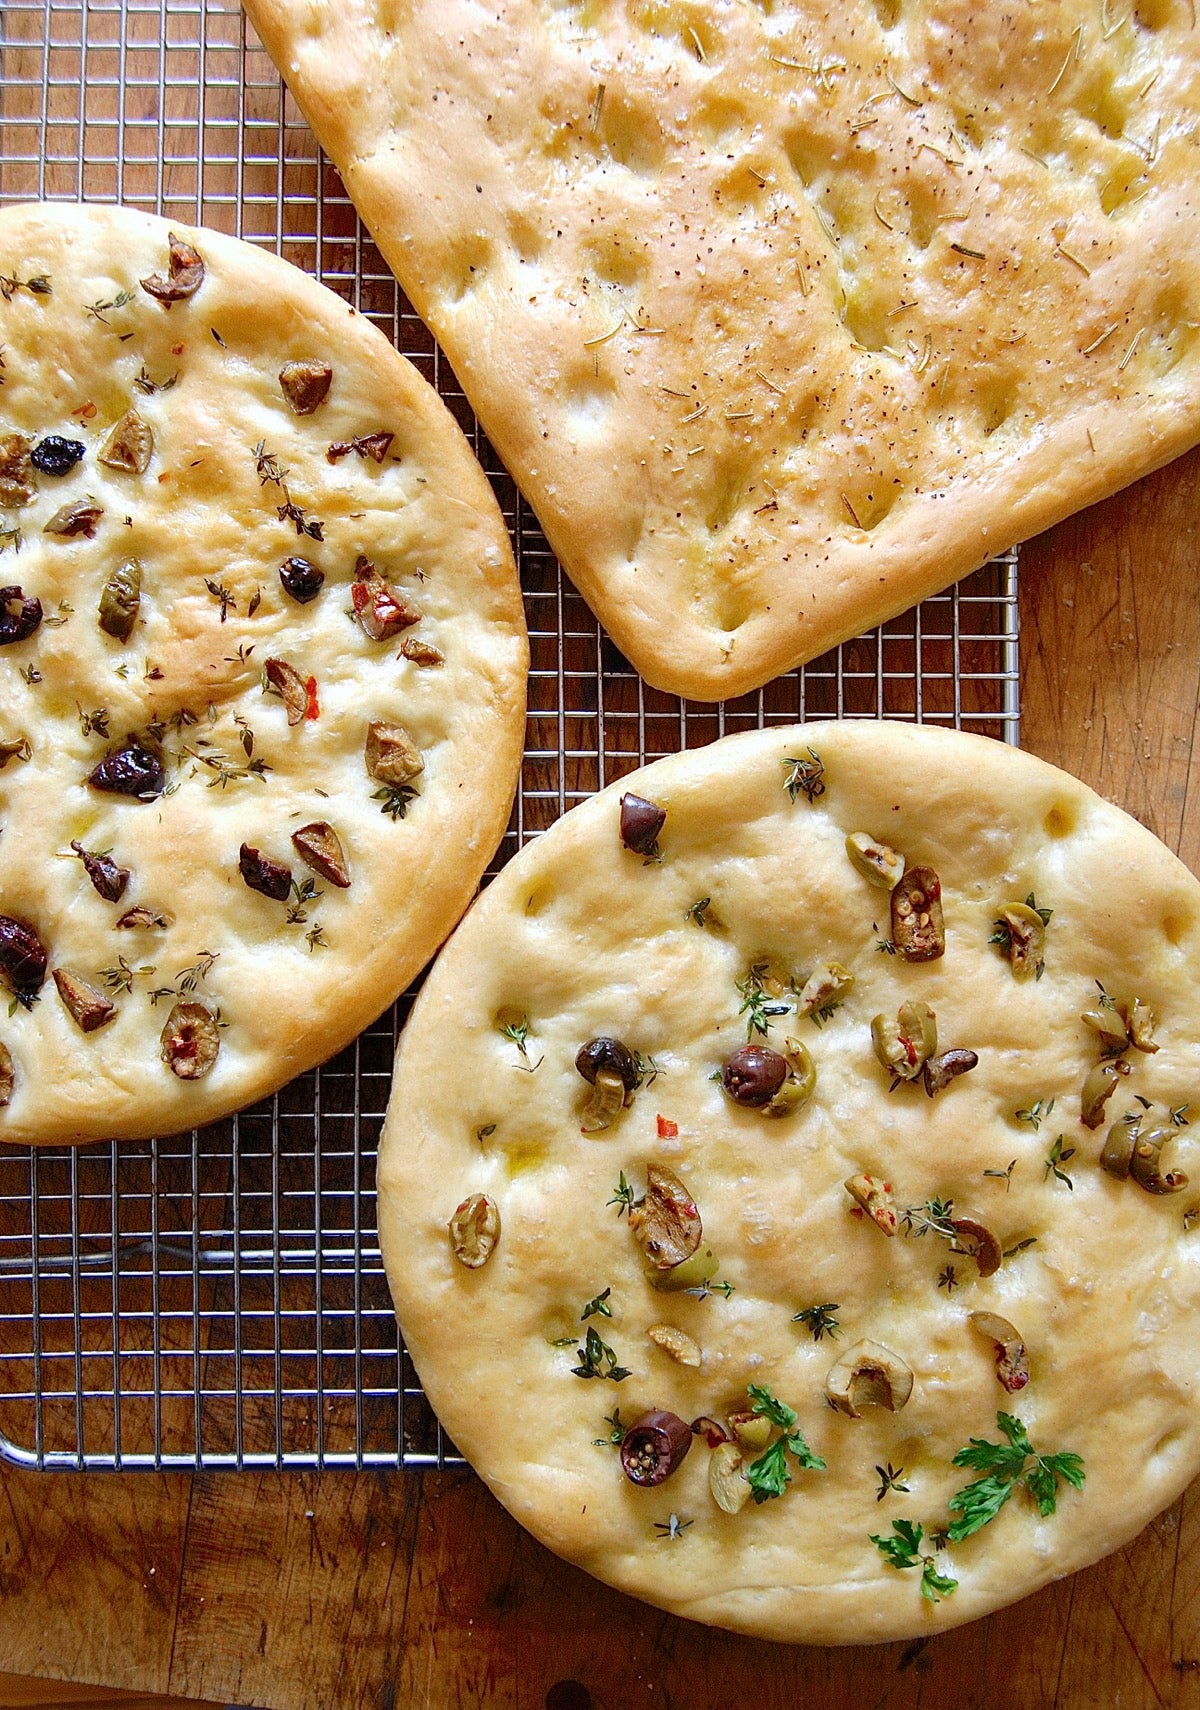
pixel 313 708
pixel 177 350
pixel 667 1130
pixel 87 411
pixel 857 1211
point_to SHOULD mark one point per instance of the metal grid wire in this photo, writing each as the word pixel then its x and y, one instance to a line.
pixel 218 1299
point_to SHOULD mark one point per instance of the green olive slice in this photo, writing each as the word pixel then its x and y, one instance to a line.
pixel 605 1102
pixel 878 864
pixel 1026 933
pixel 1012 1362
pixel 918 931
pixel 1145 1164
pixel 1118 1149
pixel 474 1230
pixel 827 984
pixel 905 1045
pixel 875 1198
pixel 1098 1088
pixel 727 1482
pixel 666 1225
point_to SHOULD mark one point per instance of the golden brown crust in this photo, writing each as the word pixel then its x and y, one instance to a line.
pixel 783 319
pixel 578 939
pixel 198 505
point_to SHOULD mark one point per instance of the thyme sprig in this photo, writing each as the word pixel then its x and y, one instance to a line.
pixel 1056 1163
pixel 805 777
pixel 819 1320
pixel 597 1359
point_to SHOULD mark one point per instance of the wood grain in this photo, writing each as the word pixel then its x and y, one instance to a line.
pixel 323 1593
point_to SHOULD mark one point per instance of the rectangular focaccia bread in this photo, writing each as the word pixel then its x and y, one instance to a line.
pixel 782 316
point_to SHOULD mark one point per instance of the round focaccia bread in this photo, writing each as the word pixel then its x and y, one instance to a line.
pixel 262 668
pixel 988 1334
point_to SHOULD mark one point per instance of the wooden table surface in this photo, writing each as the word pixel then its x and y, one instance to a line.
pixel 311 1592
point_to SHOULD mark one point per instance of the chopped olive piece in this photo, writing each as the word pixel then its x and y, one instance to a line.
pixel 474 1230
pixel 420 652
pixel 754 1074
pixel 107 877
pixel 605 1103
pixel 284 680
pixel 302 580
pixel 641 822
pixel 184 275
pixel 8 1076
pixel 677 1343
pixel 272 878
pixel 55 455
pixel 710 1429
pixel 877 863
pixel 939 1071
pixel 151 918
pixel 81 516
pixel 120 600
pixel 1145 1161
pixel 14 748
pixel 19 617
pixel 875 1198
pixel 190 1041
pixel 905 1045
pixel 319 847
pixel 391 754
pixel 824 989
pixel 16 471
pixel 87 1005
pixel 801 1081
pixel 380 611
pixel 977 1242
pixel 372 445
pixel 610 1054
pixel 917 929
pixel 1012 1363
pixel 22 958
pixel 1098 1088
pixel 305 384
pixel 129 445
pixel 694 1272
pixel 666 1225
pixel 1108 1024
pixel 752 1430
pixel 131 770
pixel 1021 933
pixel 654 1446
pixel 1117 1154
pixel 868 1375
pixel 1140 1022
pixel 727 1480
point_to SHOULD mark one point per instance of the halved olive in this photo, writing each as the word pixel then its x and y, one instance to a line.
pixel 611 1055
pixel 302 580
pixel 305 384
pixel 108 879
pixel 641 822
pixel 918 931
pixel 474 1230
pixel 319 847
pixel 184 275
pixel 904 1046
pixel 666 1225
pixel 1108 1024
pixel 131 770
pixel 878 864
pixel 129 445
pixel 1098 1088
pixel 271 878
pixel 8 1076
pixel 754 1074
pixel 710 1429
pixel 868 1375
pixel 1140 1022
pixel 1012 1364
pixel 285 681
pixel 19 615
pixel 190 1041
pixel 654 1446
pixel 751 1430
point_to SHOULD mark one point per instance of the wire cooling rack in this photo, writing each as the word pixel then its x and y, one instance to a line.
pixel 217 1299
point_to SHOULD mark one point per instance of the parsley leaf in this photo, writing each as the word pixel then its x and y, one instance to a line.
pixel 1005 1467
pixel 903 1550
pixel 770 1474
